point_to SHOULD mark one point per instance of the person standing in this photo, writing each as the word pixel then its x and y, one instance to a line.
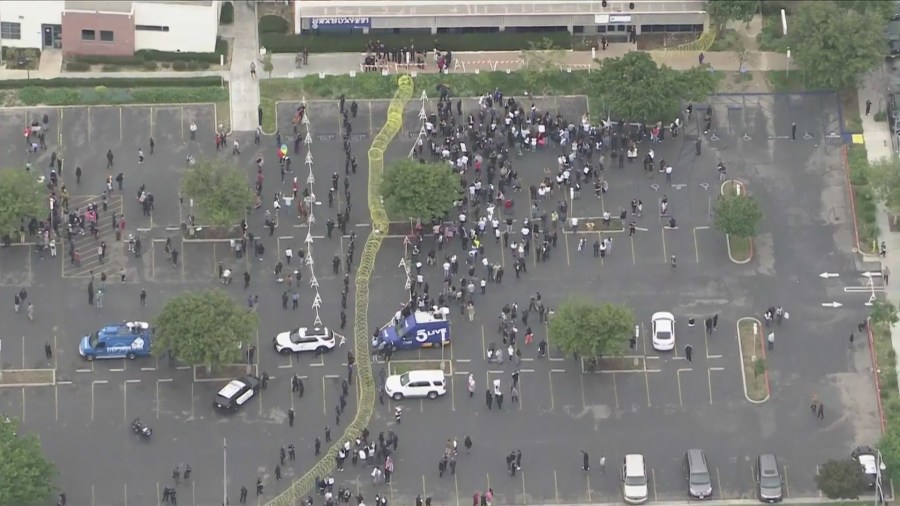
pixel 868 107
pixel 688 352
pixel 143 297
pixel 585 461
pixel 243 499
pixel 31 311
pixel 471 385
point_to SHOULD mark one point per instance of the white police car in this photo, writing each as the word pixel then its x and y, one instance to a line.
pixel 236 393
pixel 317 339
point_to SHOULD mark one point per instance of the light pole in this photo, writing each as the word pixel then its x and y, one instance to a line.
pixel 224 471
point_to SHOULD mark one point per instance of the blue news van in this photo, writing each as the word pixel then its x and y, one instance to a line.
pixel 421 329
pixel 123 340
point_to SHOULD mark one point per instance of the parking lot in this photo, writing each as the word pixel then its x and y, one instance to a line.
pixel 658 404
pixel 75 415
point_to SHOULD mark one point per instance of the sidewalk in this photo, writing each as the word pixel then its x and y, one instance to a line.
pixel 877 136
pixel 485 61
pixel 244 92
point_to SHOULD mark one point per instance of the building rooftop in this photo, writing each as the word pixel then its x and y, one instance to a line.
pixel 125 6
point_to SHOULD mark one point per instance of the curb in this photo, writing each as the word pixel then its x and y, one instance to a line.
pixel 743 372
pixel 876 370
pixel 739 184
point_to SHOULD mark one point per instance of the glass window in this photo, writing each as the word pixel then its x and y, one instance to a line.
pixel 88 35
pixel 106 36
pixel 10 30
pixel 151 28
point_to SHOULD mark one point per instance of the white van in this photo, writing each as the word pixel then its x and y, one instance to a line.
pixel 634 479
pixel 419 383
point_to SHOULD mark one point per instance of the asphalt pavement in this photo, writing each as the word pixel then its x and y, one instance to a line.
pixel 654 403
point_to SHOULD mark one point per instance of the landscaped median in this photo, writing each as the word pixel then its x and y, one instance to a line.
pixel 112 91
pixel 740 249
pixel 863 199
pixel 753 360
pixel 27 377
pixel 404 366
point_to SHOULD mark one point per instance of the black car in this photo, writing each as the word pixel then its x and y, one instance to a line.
pixel 868 459
pixel 236 393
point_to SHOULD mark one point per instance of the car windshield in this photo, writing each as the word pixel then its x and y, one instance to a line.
pixel 95 338
pixel 635 481
pixel 404 379
pixel 770 481
pixel 699 479
pixel 295 337
pixel 222 400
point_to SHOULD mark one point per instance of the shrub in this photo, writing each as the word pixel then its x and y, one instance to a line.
pixel 142 82
pixel 77 66
pixel 771 37
pixel 149 65
pixel 179 65
pixel 226 17
pixel 222 47
pixel 111 68
pixel 273 24
pixel 356 42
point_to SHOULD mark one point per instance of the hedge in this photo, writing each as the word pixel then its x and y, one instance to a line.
pixel 273 24
pixel 356 42
pixel 145 55
pixel 129 82
pixel 100 95
pixel 372 85
pixel 226 17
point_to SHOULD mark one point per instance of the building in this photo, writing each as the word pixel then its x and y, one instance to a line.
pixel 473 16
pixel 110 28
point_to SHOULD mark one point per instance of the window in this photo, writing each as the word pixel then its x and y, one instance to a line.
pixel 88 35
pixel 10 30
pixel 151 28
pixel 106 36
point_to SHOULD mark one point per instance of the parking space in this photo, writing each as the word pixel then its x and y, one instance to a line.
pixel 86 251
pixel 108 403
pixel 16 265
pixel 41 407
pixel 174 396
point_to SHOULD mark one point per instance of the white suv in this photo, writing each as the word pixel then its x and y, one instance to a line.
pixel 316 339
pixel 418 383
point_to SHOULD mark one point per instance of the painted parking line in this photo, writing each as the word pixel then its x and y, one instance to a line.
pixel 709 378
pixel 697 243
pixel 550 374
pixel 93 396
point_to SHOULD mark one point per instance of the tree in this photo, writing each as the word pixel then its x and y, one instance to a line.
pixel 830 59
pixel 26 475
pixel 841 479
pixel 723 11
pixel 203 328
pixel 661 89
pixel 883 313
pixel 541 57
pixel 879 8
pixel 737 215
pixel 884 177
pixel 21 198
pixel 889 445
pixel 219 191
pixel 590 329
pixel 419 190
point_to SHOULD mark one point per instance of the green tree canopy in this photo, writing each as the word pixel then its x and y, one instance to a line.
pixel 26 475
pixel 820 45
pixel 591 329
pixel 889 445
pixel 22 197
pixel 634 88
pixel 220 192
pixel 841 479
pixel 737 215
pixel 204 328
pixel 723 11
pixel 884 312
pixel 416 190
pixel 884 176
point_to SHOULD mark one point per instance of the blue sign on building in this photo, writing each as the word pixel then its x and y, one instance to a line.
pixel 340 22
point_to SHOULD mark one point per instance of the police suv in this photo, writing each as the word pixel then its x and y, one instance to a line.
pixel 236 393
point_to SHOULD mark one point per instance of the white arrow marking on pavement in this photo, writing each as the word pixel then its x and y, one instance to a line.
pixel 833 305
pixel 826 275
pixel 870 274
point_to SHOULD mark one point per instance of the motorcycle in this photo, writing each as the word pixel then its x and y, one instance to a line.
pixel 141 430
